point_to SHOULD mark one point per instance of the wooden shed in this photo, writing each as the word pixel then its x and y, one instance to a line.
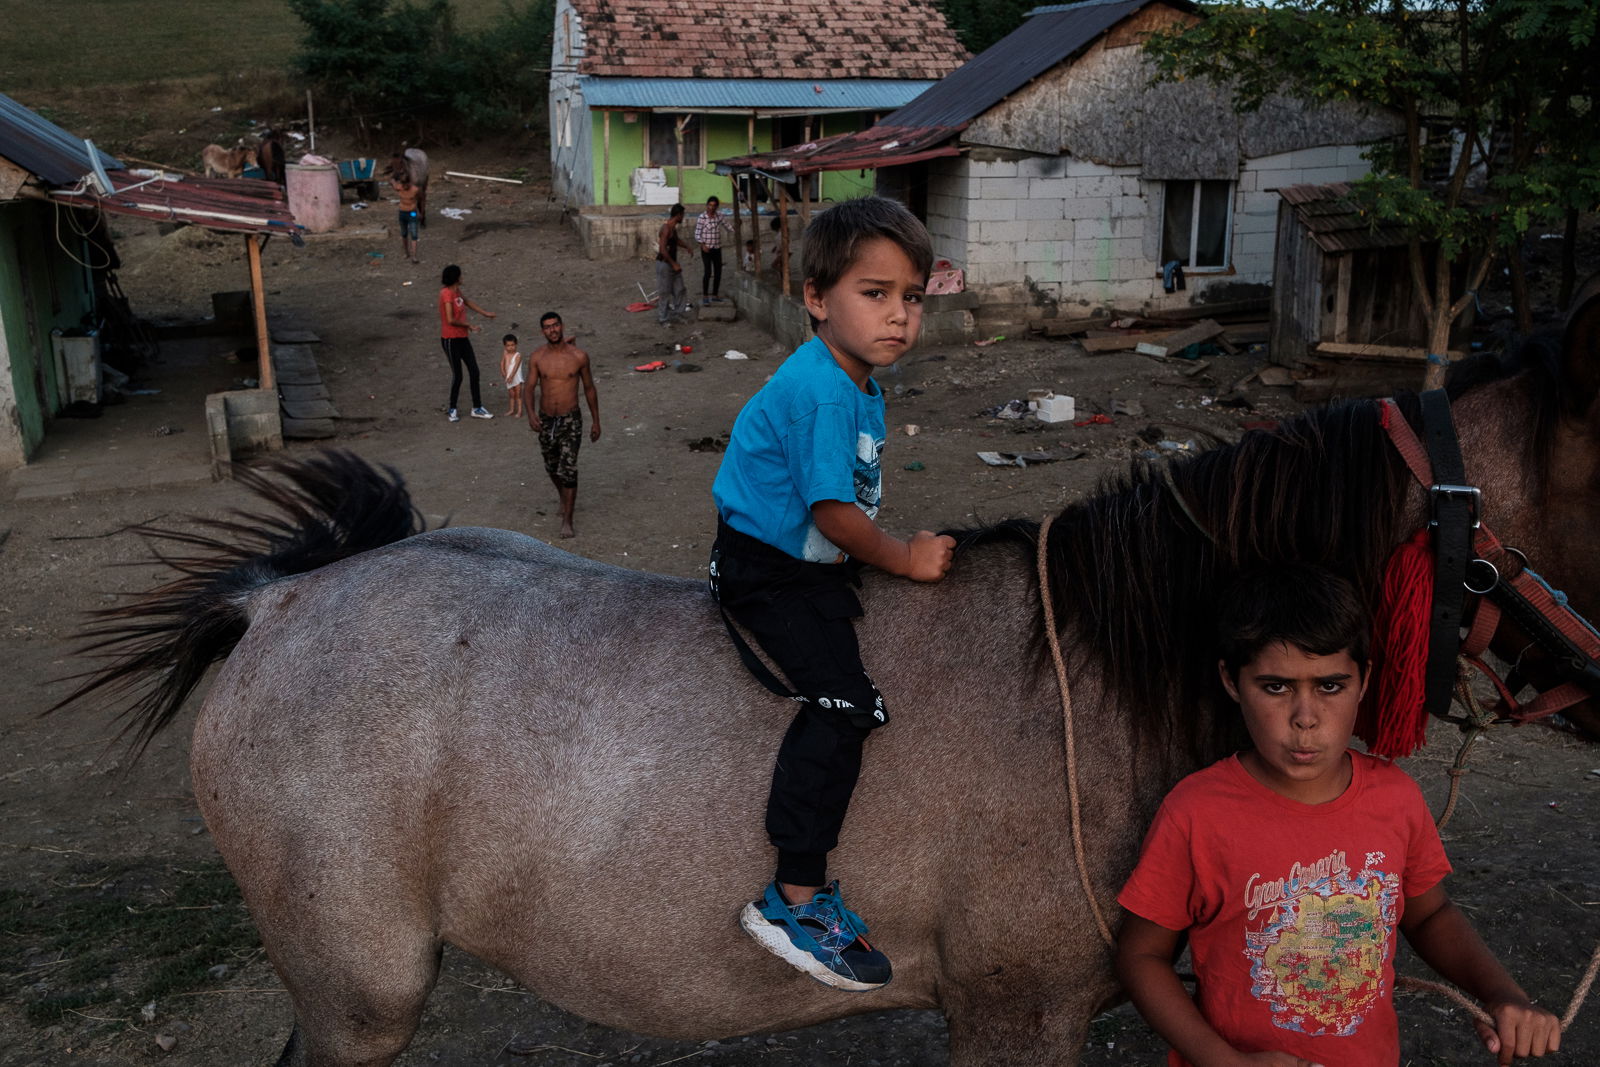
pixel 1340 287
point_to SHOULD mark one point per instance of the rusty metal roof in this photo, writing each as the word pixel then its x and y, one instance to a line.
pixel 1049 37
pixel 1335 222
pixel 42 148
pixel 241 205
pixel 879 146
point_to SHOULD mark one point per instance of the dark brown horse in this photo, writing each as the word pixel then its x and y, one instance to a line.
pixel 468 737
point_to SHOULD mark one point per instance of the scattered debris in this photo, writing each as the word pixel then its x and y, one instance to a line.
pixel 734 353
pixel 996 339
pixel 1052 408
pixel 480 178
pixel 1131 408
pixel 709 444
pixel 637 305
pixel 166 1042
pixel 1183 341
pixel 912 429
pixel 1094 420
pixel 655 364
pixel 1275 376
pixel 1022 459
pixel 167 431
pixel 457 213
pixel 1011 409
pixel 1178 446
pixel 914 465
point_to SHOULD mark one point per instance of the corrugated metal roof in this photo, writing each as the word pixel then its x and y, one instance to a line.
pixel 1053 34
pixel 1335 223
pixel 242 205
pixel 42 148
pixel 882 145
pixel 861 94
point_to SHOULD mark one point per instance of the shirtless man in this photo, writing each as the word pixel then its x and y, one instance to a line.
pixel 557 368
pixel 409 215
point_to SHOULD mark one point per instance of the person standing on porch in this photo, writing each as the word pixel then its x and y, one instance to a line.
pixel 708 230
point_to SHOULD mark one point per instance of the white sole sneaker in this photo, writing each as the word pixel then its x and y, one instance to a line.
pixel 482 415
pixel 775 941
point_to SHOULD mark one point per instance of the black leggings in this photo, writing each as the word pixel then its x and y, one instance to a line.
pixel 800 614
pixel 458 350
pixel 711 284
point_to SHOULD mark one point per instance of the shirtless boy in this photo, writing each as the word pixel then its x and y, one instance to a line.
pixel 550 393
pixel 409 217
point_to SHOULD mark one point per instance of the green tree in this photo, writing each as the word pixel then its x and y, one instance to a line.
pixel 1495 92
pixel 980 23
pixel 387 58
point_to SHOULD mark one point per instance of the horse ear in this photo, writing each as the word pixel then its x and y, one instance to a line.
pixel 1580 355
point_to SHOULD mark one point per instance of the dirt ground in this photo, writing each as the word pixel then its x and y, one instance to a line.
pixel 89 840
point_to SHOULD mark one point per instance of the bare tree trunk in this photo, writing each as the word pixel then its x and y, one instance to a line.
pixel 1520 301
pixel 1569 260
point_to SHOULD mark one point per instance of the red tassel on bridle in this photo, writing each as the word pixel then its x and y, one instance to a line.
pixel 1394 715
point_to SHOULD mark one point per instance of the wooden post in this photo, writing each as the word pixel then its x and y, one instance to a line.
pixel 783 234
pixel 738 224
pixel 755 225
pixel 677 144
pixel 1341 300
pixel 265 376
pixel 605 164
pixel 311 121
pixel 805 201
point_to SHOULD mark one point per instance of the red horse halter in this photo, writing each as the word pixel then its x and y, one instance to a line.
pixel 1470 559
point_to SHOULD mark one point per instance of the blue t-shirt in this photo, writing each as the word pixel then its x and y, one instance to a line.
pixel 809 434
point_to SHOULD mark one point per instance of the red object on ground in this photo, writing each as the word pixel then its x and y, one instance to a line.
pixel 652 365
pixel 1094 420
pixel 686 349
pixel 641 305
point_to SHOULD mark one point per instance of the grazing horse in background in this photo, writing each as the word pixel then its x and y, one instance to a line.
pixel 222 162
pixel 270 152
pixel 560 766
pixel 413 161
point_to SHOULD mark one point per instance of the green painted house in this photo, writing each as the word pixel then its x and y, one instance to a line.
pixel 644 94
pixel 46 284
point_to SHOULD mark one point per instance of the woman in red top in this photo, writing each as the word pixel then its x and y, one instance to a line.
pixel 454 333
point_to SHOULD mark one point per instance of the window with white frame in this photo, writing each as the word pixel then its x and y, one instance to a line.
pixel 664 129
pixel 1196 221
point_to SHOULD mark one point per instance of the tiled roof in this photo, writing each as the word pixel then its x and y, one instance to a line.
pixel 766 39
pixel 1335 223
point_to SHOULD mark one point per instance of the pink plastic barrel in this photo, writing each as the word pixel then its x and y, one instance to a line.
pixel 314 196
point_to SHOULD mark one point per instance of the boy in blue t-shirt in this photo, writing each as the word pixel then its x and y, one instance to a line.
pixel 796 496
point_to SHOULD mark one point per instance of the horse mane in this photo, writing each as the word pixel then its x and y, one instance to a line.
pixel 1137 566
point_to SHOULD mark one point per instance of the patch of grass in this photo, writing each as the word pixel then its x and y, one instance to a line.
pixel 122 935
pixel 114 42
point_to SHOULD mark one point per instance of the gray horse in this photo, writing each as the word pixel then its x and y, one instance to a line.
pixel 559 766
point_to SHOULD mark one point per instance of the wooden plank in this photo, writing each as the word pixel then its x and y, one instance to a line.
pixel 292 392
pixel 308 409
pixel 1248 333
pixel 1177 342
pixel 258 302
pixel 1341 300
pixel 1068 327
pixel 1124 343
pixel 1390 353
pixel 1253 308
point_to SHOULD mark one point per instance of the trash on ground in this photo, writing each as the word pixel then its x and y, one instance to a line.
pixel 359 205
pixel 734 353
pixel 1011 409
pixel 405 283
pixel 1052 408
pixel 1094 420
pixel 640 305
pixel 996 339
pixel 457 213
pixel 374 255
pixel 1021 459
pixel 708 444
pixel 686 348
pixel 914 465
pixel 655 364
pixel 685 368
pixel 912 429
pixel 1132 408
pixel 1178 446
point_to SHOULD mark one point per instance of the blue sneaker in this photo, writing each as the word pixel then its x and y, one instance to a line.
pixel 821 937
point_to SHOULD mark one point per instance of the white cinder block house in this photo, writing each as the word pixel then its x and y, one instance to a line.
pixel 1054 172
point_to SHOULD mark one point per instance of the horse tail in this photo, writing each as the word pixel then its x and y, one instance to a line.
pixel 320 509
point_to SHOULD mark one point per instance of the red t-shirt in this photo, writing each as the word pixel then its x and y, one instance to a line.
pixel 1291 908
pixel 446 327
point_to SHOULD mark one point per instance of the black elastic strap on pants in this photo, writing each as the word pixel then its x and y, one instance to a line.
pixel 1452 549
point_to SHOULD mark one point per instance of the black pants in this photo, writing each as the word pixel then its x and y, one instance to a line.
pixel 800 615
pixel 458 350
pixel 711 284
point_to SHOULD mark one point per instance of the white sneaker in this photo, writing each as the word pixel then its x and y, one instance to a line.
pixel 481 413
pixel 452 416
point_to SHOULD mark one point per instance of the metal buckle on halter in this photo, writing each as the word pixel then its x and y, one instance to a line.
pixel 1473 496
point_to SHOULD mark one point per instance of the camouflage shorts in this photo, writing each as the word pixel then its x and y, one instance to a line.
pixel 559 437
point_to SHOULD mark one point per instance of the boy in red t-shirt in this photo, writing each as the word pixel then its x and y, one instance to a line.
pixel 1291 864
